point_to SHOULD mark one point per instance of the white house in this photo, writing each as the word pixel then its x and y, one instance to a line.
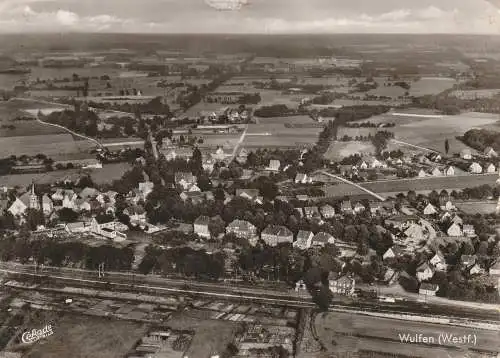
pixel 475 168
pixel 322 238
pixel 490 169
pixel 327 211
pixel 274 165
pixel 448 206
pixel 17 208
pixel 454 230
pixel 363 165
pixel 430 210
pixel 449 171
pixel 422 173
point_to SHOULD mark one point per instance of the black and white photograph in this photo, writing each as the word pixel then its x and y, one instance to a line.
pixel 249 179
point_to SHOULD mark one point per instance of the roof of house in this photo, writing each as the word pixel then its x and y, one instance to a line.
pixel 423 267
pixel 253 193
pixel 241 225
pixel 277 230
pixel 429 286
pixel 303 235
pixel 202 220
pixel 322 237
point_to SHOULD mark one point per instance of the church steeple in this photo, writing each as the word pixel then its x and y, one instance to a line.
pixel 34 203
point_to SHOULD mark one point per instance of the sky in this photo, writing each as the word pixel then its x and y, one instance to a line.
pixel 255 16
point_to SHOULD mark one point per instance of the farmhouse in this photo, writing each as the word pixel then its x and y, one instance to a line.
pixel 302 178
pixel 468 230
pixel 438 261
pixel 436 172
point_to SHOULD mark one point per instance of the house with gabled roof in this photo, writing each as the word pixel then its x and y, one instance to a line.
pixel 346 207
pixel 436 172
pixel 490 168
pixel 438 261
pixel 422 173
pixel 17 208
pixel 359 208
pixel 321 239
pixel 415 232
pixel 184 179
pixel 392 253
pixel 469 230
pixel 454 230
pixel 249 194
pixel 475 168
pixel 449 171
pixel 273 235
pixel 303 240
pixel 311 212
pixel 430 209
pixel 343 285
pixel 327 211
pixel 242 229
pixel 47 205
pixel 201 226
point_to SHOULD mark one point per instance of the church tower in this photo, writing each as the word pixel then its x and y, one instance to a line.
pixel 34 203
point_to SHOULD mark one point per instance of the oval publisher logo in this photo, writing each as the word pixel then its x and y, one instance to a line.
pixel 35 335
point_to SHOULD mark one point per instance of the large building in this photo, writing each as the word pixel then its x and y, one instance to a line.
pixel 275 234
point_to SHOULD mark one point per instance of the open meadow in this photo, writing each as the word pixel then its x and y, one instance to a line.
pixel 339 150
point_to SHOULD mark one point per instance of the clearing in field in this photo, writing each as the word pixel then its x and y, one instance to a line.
pixel 82 337
pixel 479 207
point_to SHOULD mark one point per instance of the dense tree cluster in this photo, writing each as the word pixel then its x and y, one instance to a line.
pixel 481 138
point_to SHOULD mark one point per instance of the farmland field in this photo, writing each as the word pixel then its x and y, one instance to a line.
pixel 53 145
pixel 274 132
pixel 108 173
pixel 479 207
pixel 81 337
pixel 431 183
pixel 339 150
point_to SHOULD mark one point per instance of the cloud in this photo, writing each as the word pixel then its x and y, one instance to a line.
pixel 268 16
